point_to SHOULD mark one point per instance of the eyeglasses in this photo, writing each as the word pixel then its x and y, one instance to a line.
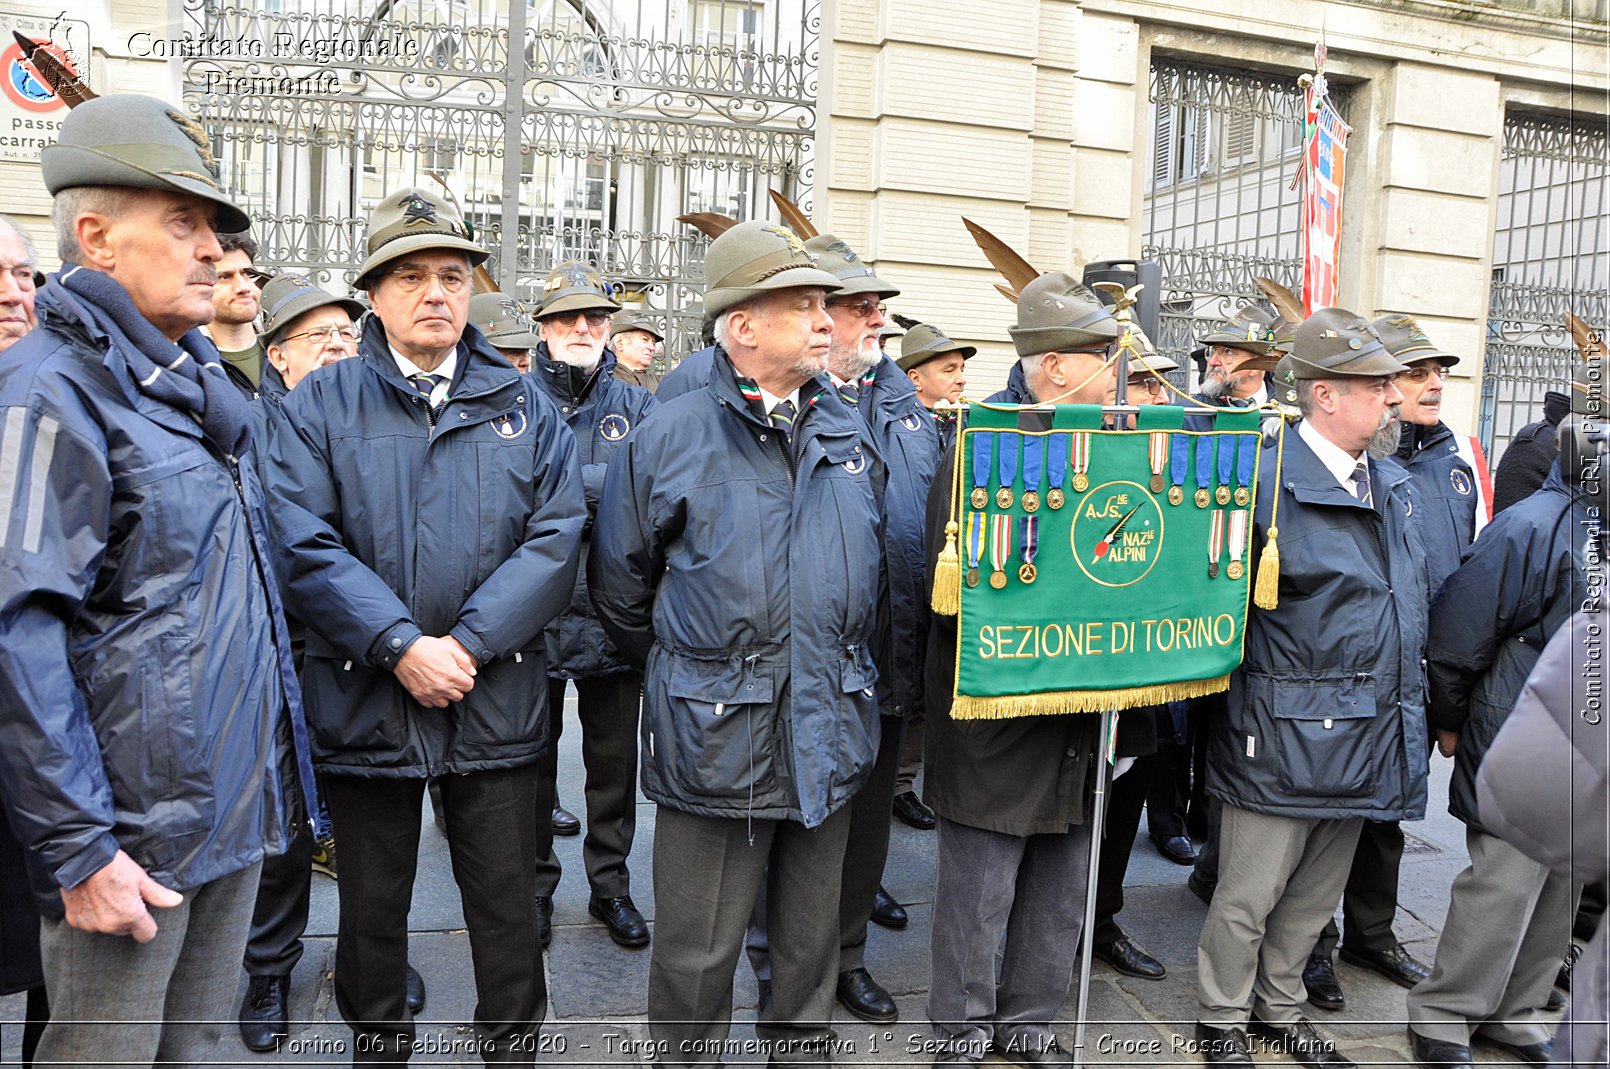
pixel 861 306
pixel 1422 373
pixel 321 335
pixel 414 279
pixel 596 317
pixel 1149 383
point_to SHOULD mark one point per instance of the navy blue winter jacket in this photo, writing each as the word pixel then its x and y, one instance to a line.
pixel 390 527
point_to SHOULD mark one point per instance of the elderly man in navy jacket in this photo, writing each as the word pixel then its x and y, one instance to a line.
pixel 428 508
pixel 1325 724
pixel 736 554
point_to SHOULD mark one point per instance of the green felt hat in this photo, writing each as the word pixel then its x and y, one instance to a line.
pixel 756 258
pixel 503 320
pixel 414 220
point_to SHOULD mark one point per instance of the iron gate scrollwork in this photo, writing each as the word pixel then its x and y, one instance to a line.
pixel 1220 207
pixel 584 140
pixel 1549 252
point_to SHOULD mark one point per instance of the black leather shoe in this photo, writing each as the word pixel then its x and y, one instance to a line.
pixel 626 925
pixel 1525 1053
pixel 1200 888
pixel 865 998
pixel 887 912
pixel 1397 964
pixel 545 920
pixel 1324 990
pixel 1435 1054
pixel 1176 848
pixel 908 809
pixel 416 992
pixel 1032 1053
pixel 263 1013
pixel 1129 958
pixel 1223 1046
pixel 1303 1043
pixel 565 822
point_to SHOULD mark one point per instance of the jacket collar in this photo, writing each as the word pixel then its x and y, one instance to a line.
pixel 482 371
pixel 829 416
pixel 1418 439
pixel 1311 482
pixel 569 383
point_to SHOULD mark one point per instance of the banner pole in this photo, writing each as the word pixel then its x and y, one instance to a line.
pixel 1098 823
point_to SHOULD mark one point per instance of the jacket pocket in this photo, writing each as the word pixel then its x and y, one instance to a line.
pixel 860 731
pixel 506 708
pixel 350 707
pixel 1324 732
pixel 722 724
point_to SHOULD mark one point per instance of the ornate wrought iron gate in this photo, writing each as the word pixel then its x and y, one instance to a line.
pixel 1549 253
pixel 1220 209
pixel 585 139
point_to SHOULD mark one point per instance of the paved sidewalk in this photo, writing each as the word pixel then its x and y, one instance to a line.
pixel 598 991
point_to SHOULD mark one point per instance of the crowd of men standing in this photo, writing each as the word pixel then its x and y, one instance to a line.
pixel 332 557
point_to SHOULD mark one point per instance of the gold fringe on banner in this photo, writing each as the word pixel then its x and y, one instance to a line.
pixel 968 707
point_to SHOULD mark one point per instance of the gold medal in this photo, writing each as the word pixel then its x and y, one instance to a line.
pixel 1222 495
pixel 1157 484
pixel 1031 502
pixel 1027 573
pixel 1234 570
pixel 1176 495
pixel 980 497
pixel 1203 498
pixel 1003 499
pixel 972 577
pixel 997 580
pixel 1243 497
pixel 1080 483
pixel 1213 570
pixel 1054 498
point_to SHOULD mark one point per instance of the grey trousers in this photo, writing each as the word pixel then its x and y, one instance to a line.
pixel 707 873
pixel 1280 879
pixel 1509 919
pixel 115 1001
pixel 1007 914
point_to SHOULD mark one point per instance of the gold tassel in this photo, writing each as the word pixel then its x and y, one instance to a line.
pixel 1056 703
pixel 1266 595
pixel 947 598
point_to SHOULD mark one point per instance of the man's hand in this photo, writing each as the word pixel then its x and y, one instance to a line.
pixel 1447 742
pixel 436 671
pixel 114 900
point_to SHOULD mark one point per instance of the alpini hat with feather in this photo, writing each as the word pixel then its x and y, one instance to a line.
pixel 414 220
pixel 1056 312
pixel 137 142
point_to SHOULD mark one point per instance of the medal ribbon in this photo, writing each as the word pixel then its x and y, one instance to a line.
pixel 1180 457
pixel 1246 451
pixel 983 450
pixel 1030 545
pixel 1081 452
pixel 1227 458
pixel 1057 460
pixel 1204 461
pixel 1157 446
pixel 1001 544
pixel 975 538
pixel 1216 537
pixel 1238 533
pixel 1033 460
pixel 1006 460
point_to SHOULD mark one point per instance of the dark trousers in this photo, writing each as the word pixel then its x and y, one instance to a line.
pixel 492 841
pixel 608 708
pixel 1204 713
pixel 707 873
pixel 1125 798
pixel 1168 791
pixel 1371 900
pixel 864 856
pixel 280 915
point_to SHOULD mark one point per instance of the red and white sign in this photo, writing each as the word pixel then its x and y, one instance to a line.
pixel 30 114
pixel 1322 200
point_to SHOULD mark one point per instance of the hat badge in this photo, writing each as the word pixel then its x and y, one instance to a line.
pixel 417 210
pixel 795 246
pixel 512 306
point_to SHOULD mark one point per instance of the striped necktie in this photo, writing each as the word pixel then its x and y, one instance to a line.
pixel 1361 484
pixel 782 417
pixel 425 383
pixel 851 394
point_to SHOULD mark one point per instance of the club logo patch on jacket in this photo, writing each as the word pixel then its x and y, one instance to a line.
pixel 911 421
pixel 1460 481
pixel 614 427
pixel 511 425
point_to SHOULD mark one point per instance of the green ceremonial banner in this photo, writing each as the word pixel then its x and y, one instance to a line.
pixel 1100 569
